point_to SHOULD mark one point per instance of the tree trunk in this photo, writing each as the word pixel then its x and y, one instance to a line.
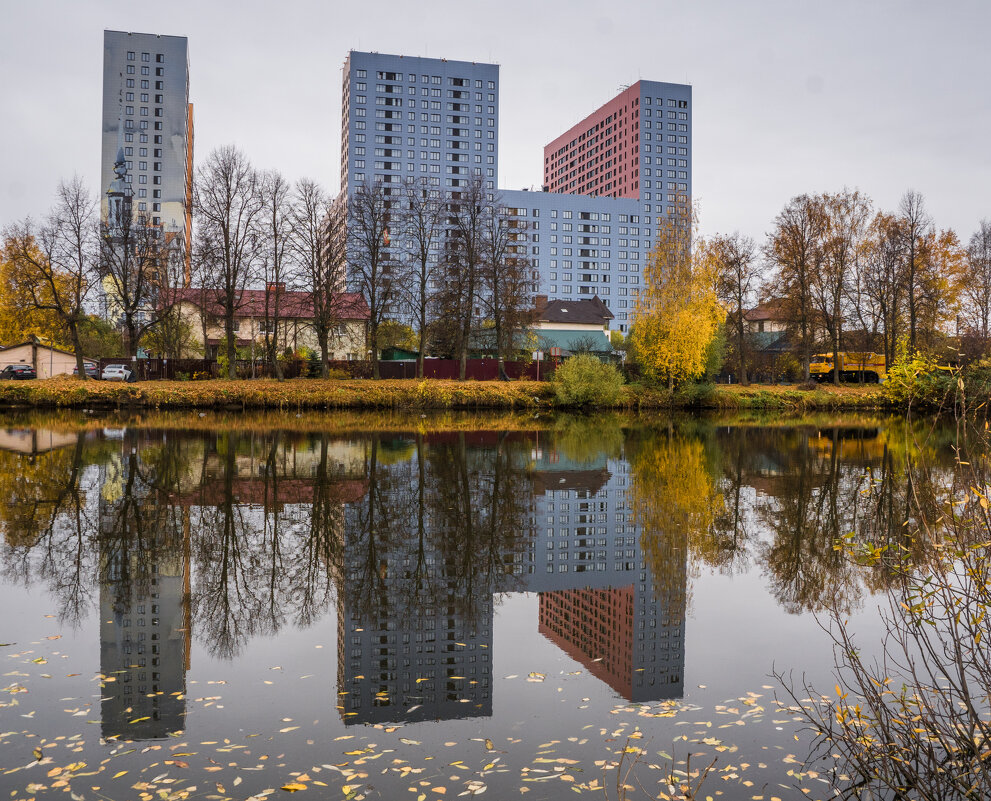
pixel 423 344
pixel 230 344
pixel 836 357
pixel 743 361
pixel 78 348
pixel 374 336
pixel 323 338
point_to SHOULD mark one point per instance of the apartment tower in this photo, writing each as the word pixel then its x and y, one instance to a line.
pixel 147 118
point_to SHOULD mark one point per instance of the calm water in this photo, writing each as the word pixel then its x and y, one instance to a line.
pixel 219 609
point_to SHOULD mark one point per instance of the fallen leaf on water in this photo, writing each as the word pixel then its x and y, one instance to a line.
pixel 293 787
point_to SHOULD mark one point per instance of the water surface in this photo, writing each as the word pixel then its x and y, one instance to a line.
pixel 197 607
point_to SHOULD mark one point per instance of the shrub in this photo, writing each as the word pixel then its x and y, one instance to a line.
pixel 918 380
pixel 585 381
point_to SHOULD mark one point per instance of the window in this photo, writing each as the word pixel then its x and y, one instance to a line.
pixel 160 58
pixel 146 71
pixel 146 57
pixel 130 69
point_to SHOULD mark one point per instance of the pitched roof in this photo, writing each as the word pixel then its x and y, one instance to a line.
pixel 584 312
pixel 774 309
pixel 347 305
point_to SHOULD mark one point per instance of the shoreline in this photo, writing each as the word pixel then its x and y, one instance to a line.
pixel 397 394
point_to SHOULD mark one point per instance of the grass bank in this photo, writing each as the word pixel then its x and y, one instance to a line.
pixel 315 394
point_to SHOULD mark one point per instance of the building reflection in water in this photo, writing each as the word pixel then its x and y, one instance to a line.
pixel 416 608
pixel 145 621
pixel 597 598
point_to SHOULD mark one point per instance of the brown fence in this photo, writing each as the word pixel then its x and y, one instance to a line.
pixel 192 369
pixel 475 369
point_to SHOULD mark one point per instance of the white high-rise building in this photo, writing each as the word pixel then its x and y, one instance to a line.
pixel 146 111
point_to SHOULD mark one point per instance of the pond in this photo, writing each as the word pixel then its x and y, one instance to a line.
pixel 388 607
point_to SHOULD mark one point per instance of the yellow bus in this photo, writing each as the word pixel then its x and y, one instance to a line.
pixel 853 366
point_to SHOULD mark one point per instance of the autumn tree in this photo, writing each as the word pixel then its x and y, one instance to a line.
pixel 977 283
pixel 737 283
pixel 421 224
pixel 19 317
pixel 229 208
pixel 939 280
pixel 54 263
pixel 847 215
pixel 374 269
pixel 677 313
pixel 318 242
pixel 794 247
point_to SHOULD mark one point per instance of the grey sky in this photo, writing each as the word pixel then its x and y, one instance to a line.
pixel 789 96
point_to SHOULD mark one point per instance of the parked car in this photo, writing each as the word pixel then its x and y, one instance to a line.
pixel 118 372
pixel 92 371
pixel 17 372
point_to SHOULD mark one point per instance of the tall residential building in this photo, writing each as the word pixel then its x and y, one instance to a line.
pixel 147 118
pixel 608 180
pixel 424 117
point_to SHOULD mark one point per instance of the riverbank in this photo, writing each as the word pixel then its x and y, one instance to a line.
pixel 316 394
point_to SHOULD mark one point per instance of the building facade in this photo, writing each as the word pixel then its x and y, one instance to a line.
pixel 428 118
pixel 146 111
pixel 275 311
pixel 608 180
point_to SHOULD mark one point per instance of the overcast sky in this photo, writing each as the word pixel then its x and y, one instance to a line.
pixel 789 96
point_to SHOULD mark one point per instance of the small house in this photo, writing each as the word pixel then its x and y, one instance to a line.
pixel 46 359
pixel 573 326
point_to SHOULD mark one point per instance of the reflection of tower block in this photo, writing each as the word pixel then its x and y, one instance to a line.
pixel 144 647
pixel 624 636
pixel 435 667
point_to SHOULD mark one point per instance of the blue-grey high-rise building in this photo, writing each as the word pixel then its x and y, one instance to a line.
pixel 608 181
pixel 418 117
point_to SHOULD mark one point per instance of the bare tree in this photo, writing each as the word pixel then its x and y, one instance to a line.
pixel 506 295
pixel 738 282
pixel 421 222
pixel 172 332
pixel 915 222
pixel 463 262
pixel 883 276
pixel 318 244
pixel 977 287
pixel 276 261
pixel 795 248
pixel 55 262
pixel 229 211
pixel 375 271
pixel 134 253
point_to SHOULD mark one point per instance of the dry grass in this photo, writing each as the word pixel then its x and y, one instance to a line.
pixel 409 394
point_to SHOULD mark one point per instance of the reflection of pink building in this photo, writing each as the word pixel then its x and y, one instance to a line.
pixel 593 624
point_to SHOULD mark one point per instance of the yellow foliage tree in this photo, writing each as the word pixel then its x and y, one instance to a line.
pixel 19 317
pixel 677 313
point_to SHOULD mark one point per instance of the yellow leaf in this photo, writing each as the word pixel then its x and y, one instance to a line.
pixel 293 787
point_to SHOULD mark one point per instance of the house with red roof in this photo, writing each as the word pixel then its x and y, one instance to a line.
pixel 259 312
